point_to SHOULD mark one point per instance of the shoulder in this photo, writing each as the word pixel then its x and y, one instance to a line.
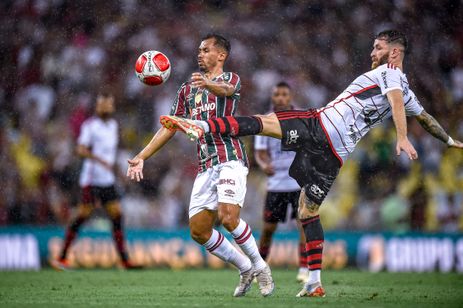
pixel 231 76
pixel 388 67
pixel 90 121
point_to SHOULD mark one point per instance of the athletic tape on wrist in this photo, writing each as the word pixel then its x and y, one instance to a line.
pixel 450 142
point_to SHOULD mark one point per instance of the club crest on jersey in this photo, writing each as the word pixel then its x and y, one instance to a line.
pixel 293 136
pixel 202 108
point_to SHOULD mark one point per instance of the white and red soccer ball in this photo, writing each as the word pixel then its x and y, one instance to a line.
pixel 152 68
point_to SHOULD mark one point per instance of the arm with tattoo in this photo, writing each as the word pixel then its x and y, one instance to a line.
pixel 433 127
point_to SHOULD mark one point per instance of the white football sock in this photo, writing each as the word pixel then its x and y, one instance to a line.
pixel 314 277
pixel 220 247
pixel 204 125
pixel 244 238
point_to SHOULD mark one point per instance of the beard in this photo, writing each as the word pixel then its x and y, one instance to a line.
pixel 380 61
pixel 105 115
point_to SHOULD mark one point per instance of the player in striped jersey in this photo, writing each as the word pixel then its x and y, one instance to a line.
pixel 220 186
pixel 323 138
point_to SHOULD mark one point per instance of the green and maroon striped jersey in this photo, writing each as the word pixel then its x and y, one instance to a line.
pixel 200 104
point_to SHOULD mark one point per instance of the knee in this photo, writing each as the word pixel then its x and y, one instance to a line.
pixel 114 210
pixel 199 235
pixel 307 208
pixel 84 211
pixel 228 220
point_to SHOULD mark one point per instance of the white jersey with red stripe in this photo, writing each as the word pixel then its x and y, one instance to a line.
pixel 281 161
pixel 363 105
pixel 101 137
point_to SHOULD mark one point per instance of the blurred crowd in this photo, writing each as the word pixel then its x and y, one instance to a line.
pixel 56 55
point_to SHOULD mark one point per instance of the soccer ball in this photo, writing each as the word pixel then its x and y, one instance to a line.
pixel 152 68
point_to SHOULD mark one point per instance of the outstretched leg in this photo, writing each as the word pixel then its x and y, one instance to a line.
pixel 267 125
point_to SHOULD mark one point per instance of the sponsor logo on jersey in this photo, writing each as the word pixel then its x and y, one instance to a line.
pixel 226 182
pixel 383 75
pixel 317 191
pixel 293 136
pixel 203 108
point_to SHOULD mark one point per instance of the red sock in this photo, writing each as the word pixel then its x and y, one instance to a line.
pixel 264 251
pixel 302 255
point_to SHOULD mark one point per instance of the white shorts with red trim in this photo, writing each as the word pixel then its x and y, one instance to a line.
pixel 222 183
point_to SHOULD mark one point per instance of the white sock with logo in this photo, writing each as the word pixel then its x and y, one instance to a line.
pixel 244 238
pixel 219 246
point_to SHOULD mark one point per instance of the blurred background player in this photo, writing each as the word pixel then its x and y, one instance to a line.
pixel 282 190
pixel 220 186
pixel 324 138
pixel 97 144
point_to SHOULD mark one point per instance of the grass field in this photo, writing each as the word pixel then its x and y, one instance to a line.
pixel 213 288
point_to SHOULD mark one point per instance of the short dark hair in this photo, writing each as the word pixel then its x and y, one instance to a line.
pixel 220 41
pixel 283 84
pixel 393 36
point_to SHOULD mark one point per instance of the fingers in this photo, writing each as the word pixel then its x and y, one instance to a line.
pixel 458 144
pixel 398 149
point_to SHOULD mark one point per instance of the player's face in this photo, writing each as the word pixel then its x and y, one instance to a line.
pixel 281 98
pixel 105 106
pixel 209 55
pixel 380 53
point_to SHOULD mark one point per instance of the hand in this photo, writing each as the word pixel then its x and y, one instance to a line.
pixel 457 144
pixel 135 170
pixel 198 80
pixel 268 169
pixel 407 147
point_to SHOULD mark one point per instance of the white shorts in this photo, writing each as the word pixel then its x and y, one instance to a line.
pixel 225 183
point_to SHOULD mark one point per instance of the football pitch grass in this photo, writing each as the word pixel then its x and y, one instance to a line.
pixel 214 288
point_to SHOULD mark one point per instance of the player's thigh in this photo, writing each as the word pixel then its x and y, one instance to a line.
pixel 204 192
pixel 201 225
pixel 293 201
pixel 270 125
pixel 231 185
pixel 275 207
pixel 110 201
pixel 87 202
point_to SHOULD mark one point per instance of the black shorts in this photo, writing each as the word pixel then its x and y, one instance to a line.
pixel 90 194
pixel 276 206
pixel 315 166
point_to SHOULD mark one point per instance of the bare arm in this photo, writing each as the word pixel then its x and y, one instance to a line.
pixel 430 124
pixel 396 100
pixel 264 162
pixel 135 170
pixel 218 88
pixel 84 152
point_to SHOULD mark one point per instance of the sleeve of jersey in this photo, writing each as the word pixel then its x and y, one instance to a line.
pixel 85 135
pixel 389 79
pixel 179 108
pixel 260 143
pixel 235 81
pixel 413 107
